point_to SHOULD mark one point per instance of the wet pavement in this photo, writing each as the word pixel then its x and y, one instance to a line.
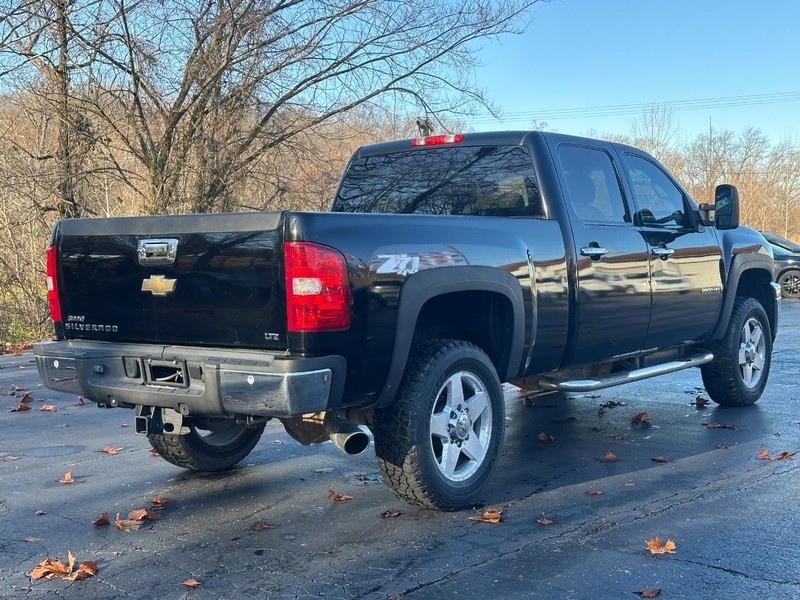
pixel 269 530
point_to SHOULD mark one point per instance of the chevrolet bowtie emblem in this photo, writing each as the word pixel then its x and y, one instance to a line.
pixel 159 285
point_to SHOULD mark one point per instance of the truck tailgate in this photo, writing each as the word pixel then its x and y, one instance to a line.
pixel 199 280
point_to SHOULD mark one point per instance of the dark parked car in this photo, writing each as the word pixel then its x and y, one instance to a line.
pixel 787 264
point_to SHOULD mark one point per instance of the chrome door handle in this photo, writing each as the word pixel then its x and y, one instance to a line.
pixel 662 253
pixel 593 252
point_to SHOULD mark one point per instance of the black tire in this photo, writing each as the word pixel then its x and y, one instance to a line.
pixel 215 445
pixel 790 284
pixel 738 374
pixel 415 435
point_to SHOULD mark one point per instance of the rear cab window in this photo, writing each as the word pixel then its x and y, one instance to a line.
pixel 462 180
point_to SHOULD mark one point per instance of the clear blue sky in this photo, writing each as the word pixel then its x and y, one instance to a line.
pixel 585 54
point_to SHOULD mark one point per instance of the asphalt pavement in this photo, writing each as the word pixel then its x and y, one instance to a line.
pixel 268 529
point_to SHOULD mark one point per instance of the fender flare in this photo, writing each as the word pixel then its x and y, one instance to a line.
pixel 420 287
pixel 739 265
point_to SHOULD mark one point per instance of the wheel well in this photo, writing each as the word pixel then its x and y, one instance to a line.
pixel 755 283
pixel 483 318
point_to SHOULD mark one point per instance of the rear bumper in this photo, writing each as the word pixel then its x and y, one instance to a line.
pixel 190 380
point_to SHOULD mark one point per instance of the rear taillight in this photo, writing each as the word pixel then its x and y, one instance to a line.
pixel 437 140
pixel 317 292
pixel 52 285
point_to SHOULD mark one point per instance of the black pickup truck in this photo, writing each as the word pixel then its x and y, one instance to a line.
pixel 446 265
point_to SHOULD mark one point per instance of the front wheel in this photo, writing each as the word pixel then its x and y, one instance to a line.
pixel 437 443
pixel 210 445
pixel 790 284
pixel 738 374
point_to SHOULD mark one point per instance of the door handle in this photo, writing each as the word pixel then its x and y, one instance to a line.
pixel 661 252
pixel 593 252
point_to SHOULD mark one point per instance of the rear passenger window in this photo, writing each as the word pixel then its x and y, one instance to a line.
pixel 458 180
pixel 660 201
pixel 592 185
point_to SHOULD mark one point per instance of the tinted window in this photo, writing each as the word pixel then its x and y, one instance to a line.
pixel 660 201
pixel 592 185
pixel 487 180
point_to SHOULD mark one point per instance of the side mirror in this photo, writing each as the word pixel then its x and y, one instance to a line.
pixel 726 207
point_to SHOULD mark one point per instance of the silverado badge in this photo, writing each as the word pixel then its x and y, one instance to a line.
pixel 159 285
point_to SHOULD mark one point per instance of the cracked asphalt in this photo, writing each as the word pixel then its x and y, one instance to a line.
pixel 733 517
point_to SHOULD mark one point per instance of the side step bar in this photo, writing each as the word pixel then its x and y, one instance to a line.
pixel 599 383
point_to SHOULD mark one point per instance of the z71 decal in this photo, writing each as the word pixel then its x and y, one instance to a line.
pixel 401 264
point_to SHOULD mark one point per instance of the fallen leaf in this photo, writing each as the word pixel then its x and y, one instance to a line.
pixel 661 459
pixel 157 503
pixel 648 592
pixel 124 425
pixel 629 484
pixel 10 458
pixel 127 524
pixel 700 402
pixel 594 493
pixel 26 397
pixel 79 401
pixel 715 425
pixel 764 455
pixel 86 569
pixel 39 513
pixel 48 568
pixel 489 515
pixel 154 452
pixel 111 450
pixel 21 408
pixel 192 583
pixel 391 513
pixel 103 520
pixel 67 478
pixel 31 539
pixel 641 418
pixel 655 547
pixel 723 446
pixel 609 457
pixel 338 497
pixel 48 408
pixel 544 521
pixel 70 561
pixel 142 513
pixel 21 366
pixel 545 437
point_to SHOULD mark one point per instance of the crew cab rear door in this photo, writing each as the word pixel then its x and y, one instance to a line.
pixel 684 259
pixel 613 283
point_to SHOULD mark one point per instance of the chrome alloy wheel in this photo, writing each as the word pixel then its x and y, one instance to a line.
pixel 752 352
pixel 460 426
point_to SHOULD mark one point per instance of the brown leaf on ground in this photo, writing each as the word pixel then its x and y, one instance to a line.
pixel 127 524
pixel 22 407
pixel 391 513
pixel 49 568
pixel 10 458
pixel 192 583
pixel 111 450
pixel 142 513
pixel 764 455
pixel 79 401
pixel 545 437
pixel 154 452
pixel 124 425
pixel 86 569
pixel 654 546
pixel 67 478
pixel 640 418
pixel 715 425
pixel 544 521
pixel 648 592
pixel 48 408
pixel 157 503
pixel 661 459
pixel 609 457
pixel 338 497
pixel 263 526
pixel 594 493
pixel 700 402
pixel 488 515
pixel 26 397
pixel 103 520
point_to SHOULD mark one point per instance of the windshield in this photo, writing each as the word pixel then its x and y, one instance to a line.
pixel 484 180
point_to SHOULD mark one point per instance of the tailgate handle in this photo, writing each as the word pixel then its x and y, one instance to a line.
pixel 157 252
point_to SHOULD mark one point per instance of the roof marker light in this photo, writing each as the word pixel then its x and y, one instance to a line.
pixel 437 140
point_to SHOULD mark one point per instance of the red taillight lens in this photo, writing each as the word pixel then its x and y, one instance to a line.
pixel 317 291
pixel 52 285
pixel 437 140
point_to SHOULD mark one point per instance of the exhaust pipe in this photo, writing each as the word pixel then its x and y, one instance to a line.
pixel 345 435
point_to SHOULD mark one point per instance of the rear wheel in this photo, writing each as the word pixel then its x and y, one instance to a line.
pixel 210 445
pixel 790 284
pixel 437 443
pixel 738 374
